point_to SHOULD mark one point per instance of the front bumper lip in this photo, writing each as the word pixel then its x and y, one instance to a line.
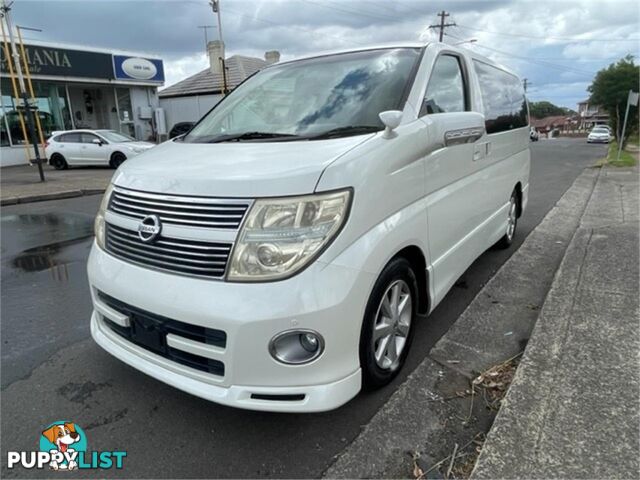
pixel 317 398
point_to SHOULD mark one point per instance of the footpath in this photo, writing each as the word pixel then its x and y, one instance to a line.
pixel 573 408
pixel 20 184
pixel 568 299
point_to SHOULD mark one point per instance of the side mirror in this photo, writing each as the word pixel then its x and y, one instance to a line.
pixel 97 141
pixel 455 128
pixel 391 120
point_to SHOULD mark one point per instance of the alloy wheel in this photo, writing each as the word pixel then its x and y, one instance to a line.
pixel 393 322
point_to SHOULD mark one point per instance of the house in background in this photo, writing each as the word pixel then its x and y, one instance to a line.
pixel 554 123
pixel 591 115
pixel 189 99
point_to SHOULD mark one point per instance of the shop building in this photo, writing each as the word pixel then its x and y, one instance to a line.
pixel 80 87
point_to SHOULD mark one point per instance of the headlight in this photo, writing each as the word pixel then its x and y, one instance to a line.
pixel 282 235
pixel 99 224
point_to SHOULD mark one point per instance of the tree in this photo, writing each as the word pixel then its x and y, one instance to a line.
pixel 546 109
pixel 610 90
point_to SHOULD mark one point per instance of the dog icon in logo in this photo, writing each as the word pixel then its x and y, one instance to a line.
pixel 62 436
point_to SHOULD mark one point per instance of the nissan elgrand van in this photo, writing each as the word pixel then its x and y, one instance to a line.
pixel 278 256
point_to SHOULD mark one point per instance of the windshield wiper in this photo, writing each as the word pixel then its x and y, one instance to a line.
pixel 251 136
pixel 346 131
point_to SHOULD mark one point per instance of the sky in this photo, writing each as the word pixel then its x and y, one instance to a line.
pixel 557 45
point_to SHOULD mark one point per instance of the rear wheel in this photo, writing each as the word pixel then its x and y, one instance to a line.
pixel 512 222
pixel 117 159
pixel 58 162
pixel 387 329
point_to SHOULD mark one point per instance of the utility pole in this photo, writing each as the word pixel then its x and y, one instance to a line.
pixel 215 6
pixel 526 84
pixel 443 15
pixel 206 39
pixel 5 9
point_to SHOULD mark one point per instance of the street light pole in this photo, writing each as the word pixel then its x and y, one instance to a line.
pixel 5 9
pixel 215 6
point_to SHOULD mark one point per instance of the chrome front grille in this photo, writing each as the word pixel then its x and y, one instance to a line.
pixel 187 257
pixel 180 210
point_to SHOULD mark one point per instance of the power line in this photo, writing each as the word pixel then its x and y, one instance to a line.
pixel 570 39
pixel 344 10
pixel 529 59
pixel 295 27
pixel 538 62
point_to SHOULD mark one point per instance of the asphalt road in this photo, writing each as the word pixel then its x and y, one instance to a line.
pixel 52 370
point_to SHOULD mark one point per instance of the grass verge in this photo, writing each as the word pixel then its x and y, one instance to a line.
pixel 627 159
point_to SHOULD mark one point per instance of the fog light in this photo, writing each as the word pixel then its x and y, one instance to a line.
pixel 309 342
pixel 296 347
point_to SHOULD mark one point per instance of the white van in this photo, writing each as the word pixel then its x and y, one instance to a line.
pixel 277 256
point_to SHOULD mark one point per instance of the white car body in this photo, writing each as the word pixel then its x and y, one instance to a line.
pixel 599 135
pixel 441 205
pixel 91 147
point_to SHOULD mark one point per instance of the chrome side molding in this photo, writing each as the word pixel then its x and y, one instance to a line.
pixel 463 135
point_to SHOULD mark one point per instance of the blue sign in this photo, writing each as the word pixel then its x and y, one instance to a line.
pixel 138 68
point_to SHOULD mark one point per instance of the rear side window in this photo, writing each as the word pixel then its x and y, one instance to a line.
pixel 88 137
pixel 446 88
pixel 69 138
pixel 505 106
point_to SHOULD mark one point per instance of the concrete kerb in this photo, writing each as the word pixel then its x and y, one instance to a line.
pixel 414 417
pixel 50 196
pixel 572 409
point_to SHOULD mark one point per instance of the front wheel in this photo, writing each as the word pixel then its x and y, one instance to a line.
pixel 512 222
pixel 387 329
pixel 58 162
pixel 117 159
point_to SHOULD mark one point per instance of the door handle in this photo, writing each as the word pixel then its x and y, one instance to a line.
pixel 481 150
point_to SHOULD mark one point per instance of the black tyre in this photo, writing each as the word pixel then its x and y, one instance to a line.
pixel 58 162
pixel 387 328
pixel 117 159
pixel 512 222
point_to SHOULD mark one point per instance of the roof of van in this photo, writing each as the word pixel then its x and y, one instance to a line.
pixel 471 53
pixel 380 46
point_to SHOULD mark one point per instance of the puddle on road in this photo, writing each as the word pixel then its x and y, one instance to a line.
pixel 61 231
pixel 71 225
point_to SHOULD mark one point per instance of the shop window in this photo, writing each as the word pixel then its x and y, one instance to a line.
pixel 53 111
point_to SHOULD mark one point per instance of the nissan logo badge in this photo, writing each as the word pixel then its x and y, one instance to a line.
pixel 149 228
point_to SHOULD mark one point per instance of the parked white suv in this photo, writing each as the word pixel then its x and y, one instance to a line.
pixel 92 147
pixel 277 256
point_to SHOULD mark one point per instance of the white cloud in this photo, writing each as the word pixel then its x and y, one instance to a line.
pixel 570 35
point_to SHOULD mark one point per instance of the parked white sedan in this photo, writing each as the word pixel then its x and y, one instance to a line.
pixel 92 147
pixel 599 135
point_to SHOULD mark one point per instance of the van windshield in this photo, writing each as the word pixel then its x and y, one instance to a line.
pixel 323 97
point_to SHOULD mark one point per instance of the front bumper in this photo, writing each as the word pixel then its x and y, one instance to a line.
pixel 326 298
pixel 597 140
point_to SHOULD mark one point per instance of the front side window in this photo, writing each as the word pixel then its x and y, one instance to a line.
pixel 445 91
pixel 342 94
pixel 505 106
